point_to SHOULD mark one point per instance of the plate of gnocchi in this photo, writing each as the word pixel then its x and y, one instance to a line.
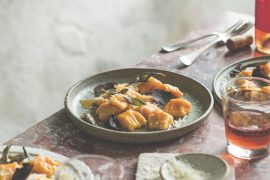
pixel 17 162
pixel 138 105
pixel 252 67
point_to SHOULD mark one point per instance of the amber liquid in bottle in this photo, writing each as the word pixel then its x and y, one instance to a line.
pixel 262 41
pixel 262 26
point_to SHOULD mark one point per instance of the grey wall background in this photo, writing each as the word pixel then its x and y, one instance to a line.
pixel 48 45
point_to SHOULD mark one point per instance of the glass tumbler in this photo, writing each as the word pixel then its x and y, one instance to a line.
pixel 246 112
pixel 262 25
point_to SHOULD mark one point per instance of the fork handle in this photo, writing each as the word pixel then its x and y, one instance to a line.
pixel 177 46
pixel 190 58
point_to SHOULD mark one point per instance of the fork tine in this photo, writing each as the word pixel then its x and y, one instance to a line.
pixel 244 28
pixel 240 27
pixel 234 26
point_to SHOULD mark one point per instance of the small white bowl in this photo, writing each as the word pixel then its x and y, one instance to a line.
pixel 217 168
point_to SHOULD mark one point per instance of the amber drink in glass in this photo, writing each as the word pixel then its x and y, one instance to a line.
pixel 246 112
pixel 262 25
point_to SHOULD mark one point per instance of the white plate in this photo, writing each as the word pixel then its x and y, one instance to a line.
pixel 35 152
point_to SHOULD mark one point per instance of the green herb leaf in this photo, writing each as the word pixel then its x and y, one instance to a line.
pixel 4 158
pixel 241 67
pixel 100 89
pixel 162 97
pixel 144 77
pixel 26 153
pixel 137 102
pixel 123 91
pixel 18 157
pixel 134 101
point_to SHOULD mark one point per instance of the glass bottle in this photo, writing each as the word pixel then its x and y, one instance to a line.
pixel 262 26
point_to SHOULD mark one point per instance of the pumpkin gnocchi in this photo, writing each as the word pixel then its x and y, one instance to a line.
pixel 21 165
pixel 178 108
pixel 159 120
pixel 44 165
pixel 131 120
pixel 146 103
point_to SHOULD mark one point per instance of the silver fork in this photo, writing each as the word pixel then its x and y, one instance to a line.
pixel 176 46
pixel 234 30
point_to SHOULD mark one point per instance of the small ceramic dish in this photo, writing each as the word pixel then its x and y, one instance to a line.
pixel 216 168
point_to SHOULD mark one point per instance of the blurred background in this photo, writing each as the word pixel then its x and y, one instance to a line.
pixel 48 45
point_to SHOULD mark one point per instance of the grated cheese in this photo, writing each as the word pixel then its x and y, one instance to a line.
pixel 180 169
